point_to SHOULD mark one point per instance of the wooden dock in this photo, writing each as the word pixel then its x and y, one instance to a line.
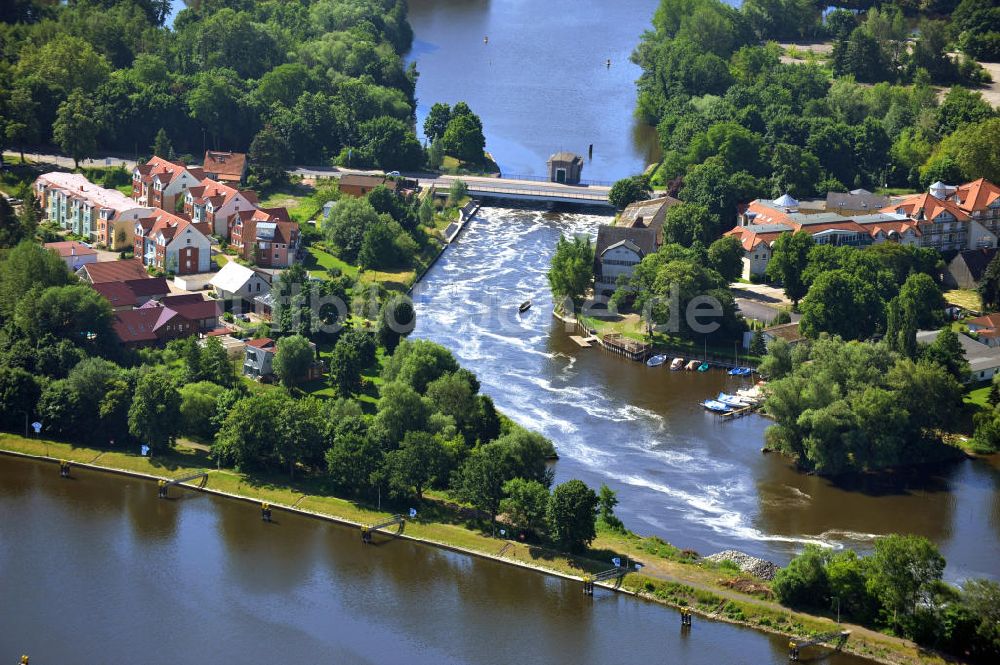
pixel 739 413
pixel 625 346
pixel 584 342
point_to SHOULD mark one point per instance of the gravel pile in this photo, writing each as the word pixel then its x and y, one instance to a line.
pixel 751 565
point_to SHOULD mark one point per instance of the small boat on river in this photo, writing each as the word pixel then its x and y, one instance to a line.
pixel 716 406
pixel 691 366
pixel 678 363
pixel 733 401
pixel 524 307
pixel 656 360
pixel 703 367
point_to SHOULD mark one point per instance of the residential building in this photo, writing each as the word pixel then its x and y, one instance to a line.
pixel 103 216
pixel 266 238
pixel 258 361
pixel 787 331
pixel 172 244
pixel 203 313
pixel 855 202
pixel 617 252
pixel 74 253
pixel 986 329
pixel 227 167
pixel 980 199
pixel 132 293
pixel 160 183
pixel 358 185
pixel 151 326
pixel 942 224
pixel 984 360
pixel 112 271
pixel 239 283
pixel 211 204
pixel 648 214
pixel 968 267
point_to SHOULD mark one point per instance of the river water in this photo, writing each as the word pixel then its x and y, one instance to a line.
pixel 680 472
pixel 96 569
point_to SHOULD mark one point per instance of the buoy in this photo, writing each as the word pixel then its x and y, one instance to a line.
pixel 24 660
pixel 609 63
pixel 265 511
pixel 486 39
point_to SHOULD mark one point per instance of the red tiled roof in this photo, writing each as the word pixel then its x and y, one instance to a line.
pixel 923 207
pixel 115 271
pixel 70 248
pixel 136 325
pixel 977 195
pixel 987 321
pixel 262 343
pixel 230 165
pixel 193 306
pixel 128 292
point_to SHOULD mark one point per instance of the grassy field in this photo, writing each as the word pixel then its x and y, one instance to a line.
pixel 318 261
pixel 978 396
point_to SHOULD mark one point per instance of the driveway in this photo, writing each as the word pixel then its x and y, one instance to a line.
pixel 769 295
pixel 754 309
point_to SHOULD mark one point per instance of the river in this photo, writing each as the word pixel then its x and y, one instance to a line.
pixel 96 569
pixel 680 473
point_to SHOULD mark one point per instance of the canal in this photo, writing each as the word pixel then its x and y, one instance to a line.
pixel 680 473
pixel 96 569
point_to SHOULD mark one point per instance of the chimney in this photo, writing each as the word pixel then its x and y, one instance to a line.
pixel 72 250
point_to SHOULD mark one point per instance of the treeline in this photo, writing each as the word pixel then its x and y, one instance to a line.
pixel 860 406
pixel 736 123
pixel 898 587
pixel 326 77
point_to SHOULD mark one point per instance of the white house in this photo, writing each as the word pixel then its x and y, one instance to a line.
pixel 172 244
pixel 159 183
pixel 214 203
pixel 618 251
pixel 234 282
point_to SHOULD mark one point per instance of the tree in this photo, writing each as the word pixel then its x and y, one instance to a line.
pixel 12 230
pixel 841 304
pixel 572 514
pixel 437 121
pixel 19 393
pixel 347 361
pixel 902 572
pixel 155 415
pixel 269 155
pixel 198 407
pixel 75 312
pixel 803 582
pixel 525 504
pixel 77 126
pixel 22 128
pixel 480 480
pixel 758 347
pixel 572 269
pixel 922 299
pixel 396 320
pixel 457 191
pixel 946 350
pixel 420 460
pixel 348 223
pixel 464 139
pixel 725 256
pixel 214 364
pixel 628 190
pixel 391 144
pixel 162 147
pixel 687 223
pixel 970 155
pixel 354 458
pixel 607 500
pixel 989 287
pixel 426 211
pixel 292 359
pixel 401 409
pixel 418 362
pixel 789 259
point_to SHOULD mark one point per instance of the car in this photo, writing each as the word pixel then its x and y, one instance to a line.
pixel 392 174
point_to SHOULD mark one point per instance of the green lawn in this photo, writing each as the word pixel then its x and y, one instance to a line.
pixel 978 396
pixel 299 200
pixel 964 298
pixel 318 261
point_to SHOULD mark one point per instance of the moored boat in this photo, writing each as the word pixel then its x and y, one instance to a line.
pixel 691 366
pixel 732 400
pixel 703 367
pixel 525 306
pixel 716 406
pixel 656 360
pixel 677 363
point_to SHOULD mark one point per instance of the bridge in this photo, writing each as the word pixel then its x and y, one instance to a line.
pixel 836 638
pixel 617 574
pixel 396 520
pixel 519 188
pixel 165 485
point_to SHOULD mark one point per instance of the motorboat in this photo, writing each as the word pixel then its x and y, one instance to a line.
pixel 732 400
pixel 716 406
pixel 525 306
pixel 692 365
pixel 677 363
pixel 703 367
pixel 656 360
pixel 740 371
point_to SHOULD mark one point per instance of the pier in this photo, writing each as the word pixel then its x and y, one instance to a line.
pixel 630 348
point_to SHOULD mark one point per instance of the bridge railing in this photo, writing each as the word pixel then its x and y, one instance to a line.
pixel 546 193
pixel 541 178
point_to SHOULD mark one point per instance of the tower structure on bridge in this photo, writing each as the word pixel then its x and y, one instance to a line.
pixel 565 167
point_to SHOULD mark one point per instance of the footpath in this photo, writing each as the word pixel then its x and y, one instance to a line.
pixel 695 588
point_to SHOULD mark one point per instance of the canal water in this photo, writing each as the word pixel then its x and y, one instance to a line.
pixel 541 83
pixel 680 472
pixel 96 569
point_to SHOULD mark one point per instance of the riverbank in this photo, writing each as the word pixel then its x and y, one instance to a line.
pixel 666 578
